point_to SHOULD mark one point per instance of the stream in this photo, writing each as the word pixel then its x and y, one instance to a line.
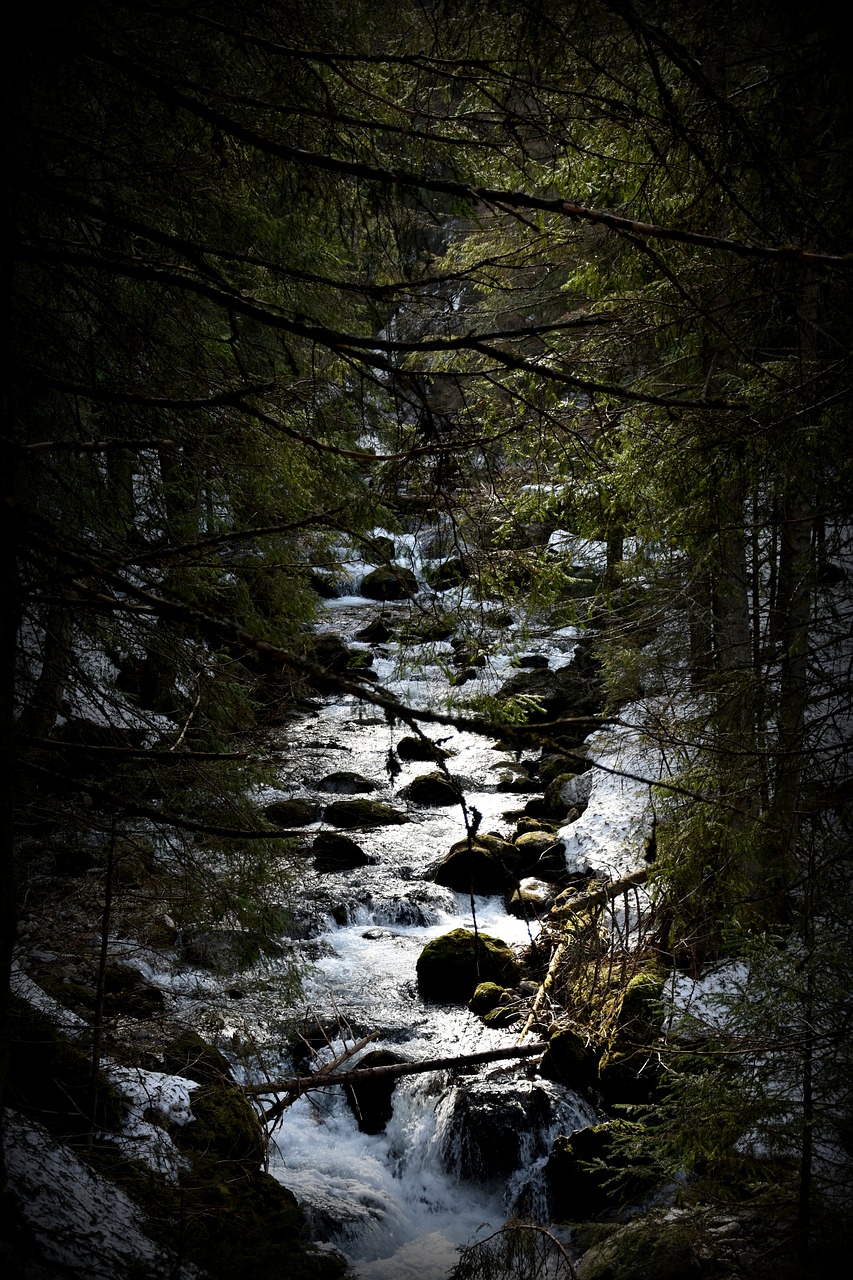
pixel 462 1151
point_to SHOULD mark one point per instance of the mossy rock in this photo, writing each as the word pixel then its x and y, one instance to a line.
pixel 225 1127
pixel 389 582
pixel 480 868
pixel 502 1016
pixel 450 968
pixel 642 1002
pixel 376 631
pixel 190 1056
pixel 569 1060
pixel 487 996
pixel 362 813
pixel 347 783
pixel 371 1101
pixel 554 765
pixel 412 748
pixel 50 1076
pixel 649 1249
pixel 432 789
pixel 292 813
pixel 246 1228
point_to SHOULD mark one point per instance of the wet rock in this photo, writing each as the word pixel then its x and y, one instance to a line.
pixel 447 574
pixel 371 1101
pixel 346 783
pixel 292 813
pixel 532 899
pixel 190 1056
pixel 333 653
pixel 487 996
pixel 362 813
pixel 451 967
pixel 377 631
pixel 570 691
pixel 497 1127
pixel 534 660
pixel 389 582
pixel 487 866
pixel 334 852
pixel 432 789
pixel 413 748
pixel 514 778
pixel 569 1060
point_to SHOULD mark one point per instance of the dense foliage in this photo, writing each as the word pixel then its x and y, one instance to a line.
pixel 283 275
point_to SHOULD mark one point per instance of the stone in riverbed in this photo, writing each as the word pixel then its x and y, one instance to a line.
pixel 362 813
pixel 413 748
pixel 371 1100
pixel 292 813
pixel 532 898
pixel 451 967
pixel 346 783
pixel 377 631
pixel 334 852
pixel 488 867
pixel 433 789
pixel 389 582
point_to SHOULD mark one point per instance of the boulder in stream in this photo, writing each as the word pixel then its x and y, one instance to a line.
pixel 487 866
pixel 346 783
pixel 371 1100
pixel 292 813
pixel 376 631
pixel 433 788
pixel 334 852
pixel 450 968
pixel 389 582
pixel 362 813
pixel 412 748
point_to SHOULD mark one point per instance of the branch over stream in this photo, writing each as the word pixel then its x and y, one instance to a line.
pixel 295 1086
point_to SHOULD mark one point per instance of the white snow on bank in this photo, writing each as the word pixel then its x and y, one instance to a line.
pixel 81 1224
pixel 698 1006
pixel 64 1019
pixel 154 1100
pixel 609 836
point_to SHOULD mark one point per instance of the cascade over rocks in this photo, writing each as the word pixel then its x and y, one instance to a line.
pixel 498 1125
pixel 451 967
pixel 371 1101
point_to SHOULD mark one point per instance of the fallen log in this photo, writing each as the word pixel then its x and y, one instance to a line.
pixel 295 1086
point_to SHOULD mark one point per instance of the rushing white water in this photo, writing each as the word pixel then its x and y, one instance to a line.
pixel 460 1152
